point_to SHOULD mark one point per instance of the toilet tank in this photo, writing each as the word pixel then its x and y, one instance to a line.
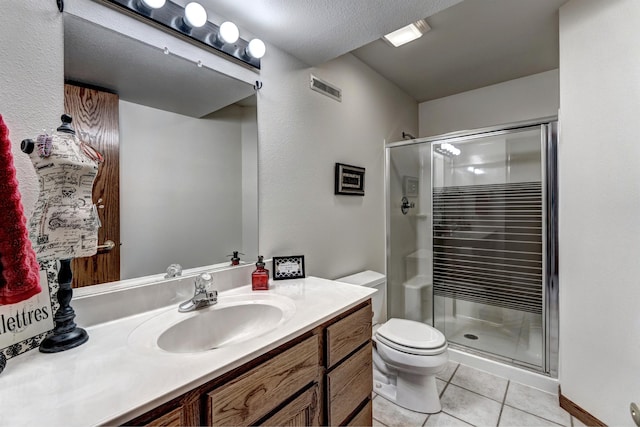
pixel 376 280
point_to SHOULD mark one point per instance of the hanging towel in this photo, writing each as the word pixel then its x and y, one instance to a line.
pixel 19 269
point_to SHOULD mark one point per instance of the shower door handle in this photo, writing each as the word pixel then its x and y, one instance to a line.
pixel 406 205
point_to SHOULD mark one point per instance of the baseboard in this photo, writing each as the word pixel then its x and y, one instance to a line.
pixel 585 417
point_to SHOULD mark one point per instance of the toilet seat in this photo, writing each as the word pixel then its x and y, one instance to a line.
pixel 411 337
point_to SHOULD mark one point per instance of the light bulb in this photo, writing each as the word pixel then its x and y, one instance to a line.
pixel 154 4
pixel 195 15
pixel 256 48
pixel 228 32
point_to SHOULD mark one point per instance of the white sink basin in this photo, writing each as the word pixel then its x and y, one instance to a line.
pixel 232 320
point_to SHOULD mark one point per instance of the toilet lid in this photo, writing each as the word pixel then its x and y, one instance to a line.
pixel 411 334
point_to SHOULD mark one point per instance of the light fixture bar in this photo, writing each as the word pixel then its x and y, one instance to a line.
pixel 407 34
pixel 171 16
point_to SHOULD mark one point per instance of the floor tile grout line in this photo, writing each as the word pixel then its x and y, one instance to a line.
pixel 504 399
pixel 479 394
pixel 540 416
pixel 381 423
pixel 457 418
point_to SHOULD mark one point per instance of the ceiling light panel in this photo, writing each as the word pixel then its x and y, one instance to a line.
pixel 407 34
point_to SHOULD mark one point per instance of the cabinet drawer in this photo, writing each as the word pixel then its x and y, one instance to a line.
pixel 246 399
pixel 364 417
pixel 349 384
pixel 303 411
pixel 347 334
pixel 173 418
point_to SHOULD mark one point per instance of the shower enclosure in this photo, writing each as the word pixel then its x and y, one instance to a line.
pixel 472 239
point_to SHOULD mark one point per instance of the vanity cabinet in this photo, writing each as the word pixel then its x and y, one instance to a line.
pixel 322 377
pixel 348 367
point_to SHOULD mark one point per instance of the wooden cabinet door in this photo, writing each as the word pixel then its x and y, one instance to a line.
pixel 347 334
pixel 174 418
pixel 302 411
pixel 348 385
pixel 95 120
pixel 253 395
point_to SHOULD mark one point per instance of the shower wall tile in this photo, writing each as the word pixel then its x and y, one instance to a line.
pixel 481 382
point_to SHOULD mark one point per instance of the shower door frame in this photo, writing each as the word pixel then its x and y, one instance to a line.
pixel 549 139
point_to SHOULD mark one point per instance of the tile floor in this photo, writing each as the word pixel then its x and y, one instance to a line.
pixel 471 397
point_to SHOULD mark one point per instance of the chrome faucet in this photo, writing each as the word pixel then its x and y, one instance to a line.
pixel 203 297
pixel 174 270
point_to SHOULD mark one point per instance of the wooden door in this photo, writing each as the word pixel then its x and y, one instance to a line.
pixel 95 120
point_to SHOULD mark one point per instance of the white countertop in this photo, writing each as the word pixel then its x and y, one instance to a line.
pixel 107 381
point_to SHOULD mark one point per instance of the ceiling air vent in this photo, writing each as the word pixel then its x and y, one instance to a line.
pixel 326 88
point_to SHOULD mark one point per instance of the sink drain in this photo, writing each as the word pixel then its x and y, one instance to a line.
pixel 471 336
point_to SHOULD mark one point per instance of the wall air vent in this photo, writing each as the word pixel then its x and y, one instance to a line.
pixel 326 88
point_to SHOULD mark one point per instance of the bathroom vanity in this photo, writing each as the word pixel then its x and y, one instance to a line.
pixel 323 376
pixel 313 367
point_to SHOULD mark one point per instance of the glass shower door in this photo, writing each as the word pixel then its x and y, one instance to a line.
pixel 488 233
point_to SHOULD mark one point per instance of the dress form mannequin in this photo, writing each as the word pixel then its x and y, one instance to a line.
pixel 65 222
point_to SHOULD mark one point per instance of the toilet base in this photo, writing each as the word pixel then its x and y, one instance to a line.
pixel 417 393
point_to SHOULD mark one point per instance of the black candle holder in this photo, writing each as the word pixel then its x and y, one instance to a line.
pixel 66 334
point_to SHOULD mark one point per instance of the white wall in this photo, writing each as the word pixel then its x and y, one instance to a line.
pixel 31 79
pixel 525 98
pixel 600 206
pixel 302 135
pixel 180 197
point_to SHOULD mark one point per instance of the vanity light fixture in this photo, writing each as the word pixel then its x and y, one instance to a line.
pixel 192 21
pixel 229 32
pixel 255 49
pixel 407 34
pixel 195 16
pixel 146 7
pixel 153 4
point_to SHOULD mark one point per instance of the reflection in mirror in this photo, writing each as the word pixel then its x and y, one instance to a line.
pixel 186 149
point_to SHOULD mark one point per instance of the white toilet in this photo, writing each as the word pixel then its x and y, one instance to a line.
pixel 407 354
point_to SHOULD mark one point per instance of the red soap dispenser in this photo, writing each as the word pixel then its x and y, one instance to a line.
pixel 260 277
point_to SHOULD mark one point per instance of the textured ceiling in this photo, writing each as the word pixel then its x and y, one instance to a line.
pixel 471 45
pixel 316 31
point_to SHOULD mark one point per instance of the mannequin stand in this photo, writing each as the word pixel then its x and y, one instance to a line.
pixel 66 335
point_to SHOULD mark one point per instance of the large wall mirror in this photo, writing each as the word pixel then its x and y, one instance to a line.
pixel 181 154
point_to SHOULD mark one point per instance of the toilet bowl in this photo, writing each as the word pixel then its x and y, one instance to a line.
pixel 407 355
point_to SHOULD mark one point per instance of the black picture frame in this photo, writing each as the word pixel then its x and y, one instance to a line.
pixel 349 180
pixel 288 267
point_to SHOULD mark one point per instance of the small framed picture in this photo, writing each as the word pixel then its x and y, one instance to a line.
pixel 410 185
pixel 349 180
pixel 288 267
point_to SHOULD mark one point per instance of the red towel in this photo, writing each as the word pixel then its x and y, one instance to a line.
pixel 19 269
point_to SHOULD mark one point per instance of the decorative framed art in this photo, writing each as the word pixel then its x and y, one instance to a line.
pixel 349 180
pixel 288 267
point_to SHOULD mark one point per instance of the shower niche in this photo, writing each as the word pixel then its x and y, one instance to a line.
pixel 476 257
